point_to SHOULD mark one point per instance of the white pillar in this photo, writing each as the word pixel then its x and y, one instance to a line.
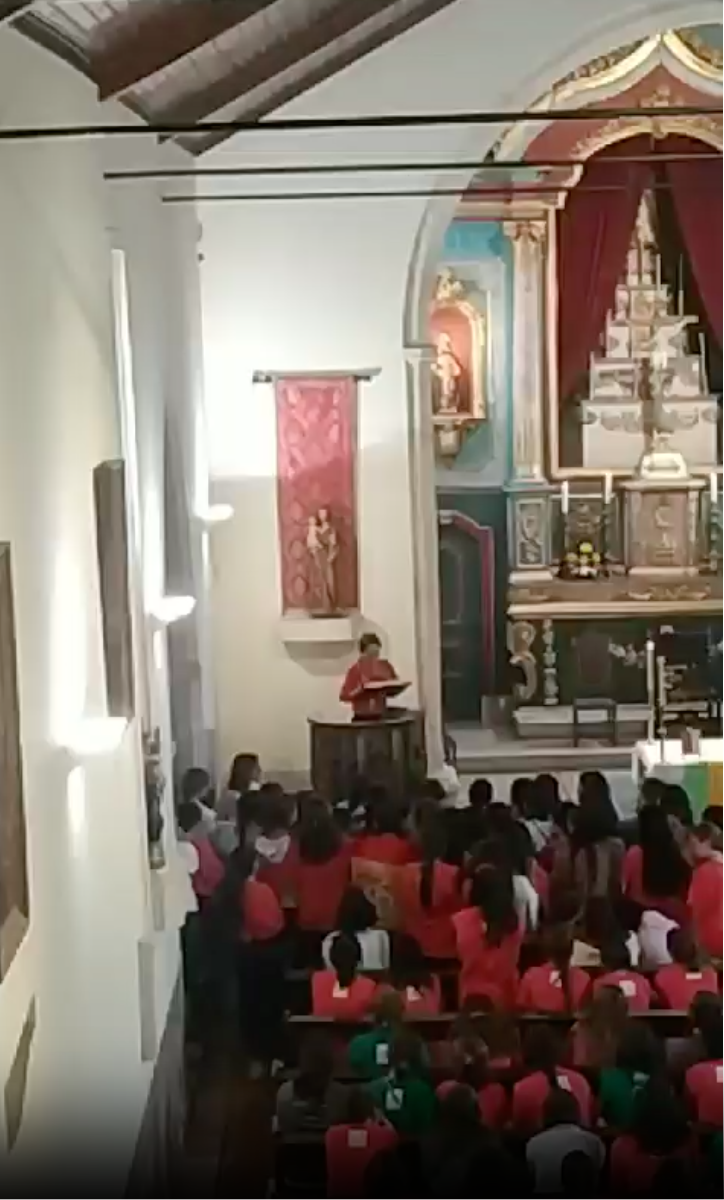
pixel 425 548
pixel 528 239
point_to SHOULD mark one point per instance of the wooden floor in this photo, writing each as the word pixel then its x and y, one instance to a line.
pixel 229 1140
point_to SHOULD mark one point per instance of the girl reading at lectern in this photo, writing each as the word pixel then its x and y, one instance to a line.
pixel 360 687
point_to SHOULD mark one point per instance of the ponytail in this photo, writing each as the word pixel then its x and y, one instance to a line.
pixel 427 876
pixel 433 846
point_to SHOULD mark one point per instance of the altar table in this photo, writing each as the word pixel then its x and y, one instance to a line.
pixel 700 774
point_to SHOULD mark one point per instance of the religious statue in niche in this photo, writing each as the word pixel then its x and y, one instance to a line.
pixel 155 786
pixel 458 333
pixel 322 553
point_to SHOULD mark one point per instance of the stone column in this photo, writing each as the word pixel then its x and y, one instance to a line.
pixel 425 548
pixel 528 239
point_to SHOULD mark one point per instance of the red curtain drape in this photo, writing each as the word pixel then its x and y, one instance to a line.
pixel 696 188
pixel 593 236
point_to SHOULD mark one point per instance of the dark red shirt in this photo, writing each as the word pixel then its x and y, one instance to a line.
pixel 263 917
pixel 319 888
pixel 486 969
pixel 385 848
pixel 704 1089
pixel 633 1171
pixel 350 1149
pixel 432 927
pixel 342 1004
pixel 677 985
pixel 531 1093
pixel 636 988
pixel 705 906
pixel 492 1101
pixel 632 883
pixel 364 671
pixel 541 989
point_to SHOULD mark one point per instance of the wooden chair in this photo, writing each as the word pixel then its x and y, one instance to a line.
pixel 594 685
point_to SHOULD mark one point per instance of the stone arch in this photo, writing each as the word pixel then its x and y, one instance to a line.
pixel 605 36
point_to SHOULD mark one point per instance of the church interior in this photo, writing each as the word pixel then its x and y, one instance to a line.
pixel 384 323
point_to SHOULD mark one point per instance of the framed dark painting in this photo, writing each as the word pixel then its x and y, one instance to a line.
pixel 14 897
pixel 109 490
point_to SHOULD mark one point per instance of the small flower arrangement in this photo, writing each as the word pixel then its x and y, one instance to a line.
pixel 582 563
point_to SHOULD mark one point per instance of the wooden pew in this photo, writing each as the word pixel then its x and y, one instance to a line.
pixel 664 1022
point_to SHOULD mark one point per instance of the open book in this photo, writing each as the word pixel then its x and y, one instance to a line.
pixel 387 687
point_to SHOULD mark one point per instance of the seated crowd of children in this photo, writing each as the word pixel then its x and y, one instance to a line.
pixel 544 938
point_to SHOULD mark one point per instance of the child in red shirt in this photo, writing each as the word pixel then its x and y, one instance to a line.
pixel 428 893
pixel 210 866
pixel 635 987
pixel 541 1056
pixel 322 867
pixel 489 937
pixel 678 983
pixel 469 1064
pixel 385 840
pixel 352 1146
pixel 655 875
pixel 341 993
pixel 703 1082
pixel 276 852
pixel 555 986
pixel 658 1142
pixel 706 891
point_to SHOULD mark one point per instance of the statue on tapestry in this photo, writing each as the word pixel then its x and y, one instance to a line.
pixel 458 332
pixel 322 553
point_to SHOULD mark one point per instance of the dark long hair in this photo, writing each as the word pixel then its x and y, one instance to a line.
pixel 345 957
pixel 492 892
pixel 409 967
pixel 665 871
pixel 356 912
pixel 318 835
pixel 316 1067
pixel 244 769
pixel 596 819
pixel 707 1014
pixel 223 914
pixel 431 836
pixel 542 1052
pixel 659 1123
pixel 559 948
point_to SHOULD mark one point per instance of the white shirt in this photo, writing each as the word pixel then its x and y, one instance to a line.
pixel 527 902
pixel 547 1150
pixel 374 945
pixel 653 932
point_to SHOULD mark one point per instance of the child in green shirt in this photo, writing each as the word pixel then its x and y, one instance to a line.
pixel 369 1053
pixel 402 1096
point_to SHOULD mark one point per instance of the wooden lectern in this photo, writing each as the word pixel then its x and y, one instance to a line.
pixel 390 749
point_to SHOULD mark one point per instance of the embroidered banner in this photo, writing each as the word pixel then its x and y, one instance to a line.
pixel 316 494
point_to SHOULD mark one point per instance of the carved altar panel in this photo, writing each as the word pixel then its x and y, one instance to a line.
pixel 316 494
pixel 661 528
pixel 14 898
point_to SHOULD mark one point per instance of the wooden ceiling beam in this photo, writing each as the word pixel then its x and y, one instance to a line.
pixel 10 9
pixel 274 61
pixel 141 47
pixel 200 143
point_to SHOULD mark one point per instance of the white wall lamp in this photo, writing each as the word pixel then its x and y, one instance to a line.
pixel 216 514
pixel 168 609
pixel 93 736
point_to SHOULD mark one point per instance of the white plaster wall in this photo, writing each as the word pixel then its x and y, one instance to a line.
pixel 89 881
pixel 333 284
